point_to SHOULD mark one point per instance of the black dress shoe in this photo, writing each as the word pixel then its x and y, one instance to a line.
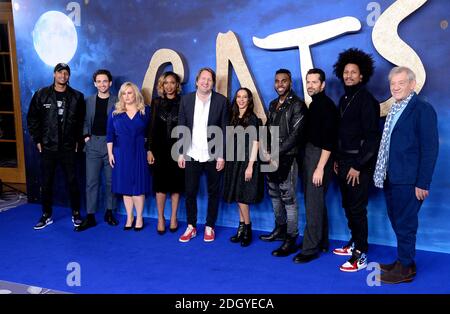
pixel 277 234
pixel 110 219
pixel 303 258
pixel 288 247
pixel 89 222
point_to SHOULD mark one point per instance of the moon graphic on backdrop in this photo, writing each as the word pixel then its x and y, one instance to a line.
pixel 55 38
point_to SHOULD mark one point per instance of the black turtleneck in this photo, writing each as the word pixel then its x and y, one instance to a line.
pixel 359 131
pixel 322 122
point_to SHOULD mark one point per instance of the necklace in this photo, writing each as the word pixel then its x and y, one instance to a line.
pixel 348 104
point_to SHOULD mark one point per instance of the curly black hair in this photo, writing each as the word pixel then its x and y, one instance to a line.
pixel 356 56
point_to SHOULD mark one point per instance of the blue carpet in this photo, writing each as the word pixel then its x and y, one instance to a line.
pixel 114 261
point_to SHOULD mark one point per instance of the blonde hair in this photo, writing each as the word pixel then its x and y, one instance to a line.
pixel 160 86
pixel 120 105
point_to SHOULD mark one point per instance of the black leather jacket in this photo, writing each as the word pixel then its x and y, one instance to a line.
pixel 42 119
pixel 292 122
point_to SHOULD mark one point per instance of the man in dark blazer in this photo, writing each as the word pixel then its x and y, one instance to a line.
pixel 97 108
pixel 203 112
pixel 405 165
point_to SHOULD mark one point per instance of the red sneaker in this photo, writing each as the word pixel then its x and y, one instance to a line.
pixel 209 234
pixel 355 263
pixel 345 250
pixel 190 233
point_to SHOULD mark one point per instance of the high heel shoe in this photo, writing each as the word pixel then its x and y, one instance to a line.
pixel 161 232
pixel 174 229
pixel 139 228
pixel 128 228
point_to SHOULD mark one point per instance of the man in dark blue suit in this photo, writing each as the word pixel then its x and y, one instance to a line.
pixel 405 165
pixel 204 113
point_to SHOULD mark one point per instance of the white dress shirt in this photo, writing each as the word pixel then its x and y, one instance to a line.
pixel 199 146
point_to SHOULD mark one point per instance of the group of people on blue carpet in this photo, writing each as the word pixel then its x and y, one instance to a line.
pixel 123 138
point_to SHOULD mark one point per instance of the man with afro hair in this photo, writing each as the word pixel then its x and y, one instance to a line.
pixel 358 140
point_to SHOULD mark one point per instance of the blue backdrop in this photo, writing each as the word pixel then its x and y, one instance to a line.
pixel 122 35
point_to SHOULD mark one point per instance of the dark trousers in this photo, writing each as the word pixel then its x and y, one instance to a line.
pixel 49 162
pixel 355 200
pixel 403 209
pixel 194 170
pixel 315 235
pixel 97 162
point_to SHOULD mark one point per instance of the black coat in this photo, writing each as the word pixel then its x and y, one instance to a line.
pixel 42 119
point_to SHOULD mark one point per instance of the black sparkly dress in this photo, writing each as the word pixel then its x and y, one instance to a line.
pixel 167 176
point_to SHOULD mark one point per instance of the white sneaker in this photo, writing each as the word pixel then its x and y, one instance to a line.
pixel 355 263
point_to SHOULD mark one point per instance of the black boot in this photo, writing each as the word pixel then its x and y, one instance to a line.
pixel 87 223
pixel 238 236
pixel 278 234
pixel 247 236
pixel 109 218
pixel 288 247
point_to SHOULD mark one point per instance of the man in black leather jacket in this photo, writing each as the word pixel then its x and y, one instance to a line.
pixel 55 122
pixel 288 113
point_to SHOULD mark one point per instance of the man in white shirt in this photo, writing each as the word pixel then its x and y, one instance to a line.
pixel 200 111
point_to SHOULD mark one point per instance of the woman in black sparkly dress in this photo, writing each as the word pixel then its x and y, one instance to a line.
pixel 167 176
